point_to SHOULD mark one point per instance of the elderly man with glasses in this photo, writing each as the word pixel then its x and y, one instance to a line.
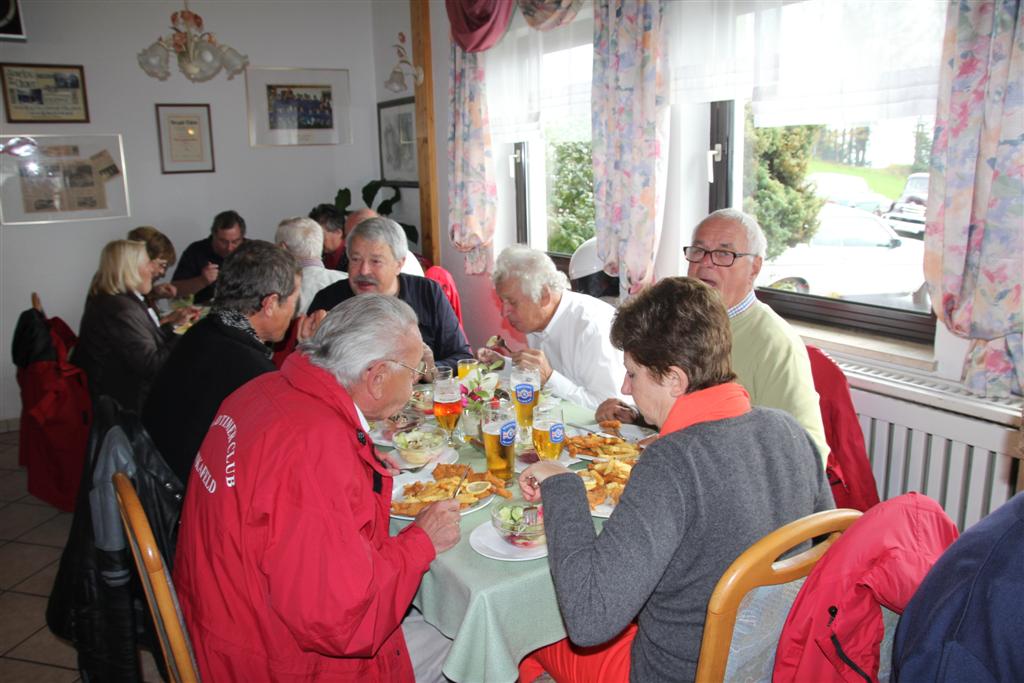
pixel 768 356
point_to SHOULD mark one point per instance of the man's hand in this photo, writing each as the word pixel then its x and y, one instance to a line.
pixel 534 358
pixel 164 291
pixel 488 356
pixel 614 409
pixel 309 324
pixel 428 363
pixel 210 272
pixel 441 522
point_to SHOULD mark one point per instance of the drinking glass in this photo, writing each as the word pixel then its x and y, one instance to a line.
pixel 442 372
pixel 499 431
pixel 467 365
pixel 447 405
pixel 548 431
pixel 526 392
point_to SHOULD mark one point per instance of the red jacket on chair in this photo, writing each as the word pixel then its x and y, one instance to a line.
pixel 848 469
pixel 834 628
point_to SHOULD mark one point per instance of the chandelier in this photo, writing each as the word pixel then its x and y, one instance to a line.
pixel 199 55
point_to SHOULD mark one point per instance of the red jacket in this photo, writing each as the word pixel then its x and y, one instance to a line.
pixel 284 568
pixel 834 629
pixel 848 469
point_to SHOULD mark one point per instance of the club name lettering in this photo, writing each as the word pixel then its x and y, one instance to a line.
pixel 204 474
pixel 231 430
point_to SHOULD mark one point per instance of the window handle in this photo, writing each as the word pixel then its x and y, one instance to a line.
pixel 713 156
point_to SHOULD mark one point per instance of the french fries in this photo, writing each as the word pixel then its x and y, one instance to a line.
pixel 605 481
pixel 420 494
pixel 601 447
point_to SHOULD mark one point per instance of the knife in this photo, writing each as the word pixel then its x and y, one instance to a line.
pixel 591 431
pixel 461 482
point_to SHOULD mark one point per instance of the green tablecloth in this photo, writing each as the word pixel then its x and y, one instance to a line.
pixel 496 612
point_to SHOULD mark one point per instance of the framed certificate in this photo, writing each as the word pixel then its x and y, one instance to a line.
pixel 44 93
pixel 298 106
pixel 186 138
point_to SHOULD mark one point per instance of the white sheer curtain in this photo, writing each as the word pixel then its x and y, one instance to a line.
pixel 524 89
pixel 815 61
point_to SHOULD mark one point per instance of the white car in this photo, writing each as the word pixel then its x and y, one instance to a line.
pixel 854 253
pixel 848 190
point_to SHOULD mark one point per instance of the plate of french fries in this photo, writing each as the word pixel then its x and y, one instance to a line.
pixel 413 493
pixel 614 440
pixel 605 481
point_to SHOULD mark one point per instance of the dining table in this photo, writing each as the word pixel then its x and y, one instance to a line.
pixel 496 612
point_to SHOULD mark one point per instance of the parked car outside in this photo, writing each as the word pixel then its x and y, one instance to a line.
pixel 907 214
pixel 848 190
pixel 854 253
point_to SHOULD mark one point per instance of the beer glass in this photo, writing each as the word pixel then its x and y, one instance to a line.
pixel 442 372
pixel 447 405
pixel 526 392
pixel 467 365
pixel 548 431
pixel 499 430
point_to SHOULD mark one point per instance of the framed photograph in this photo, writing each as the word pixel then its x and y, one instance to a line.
pixel 396 131
pixel 11 27
pixel 65 178
pixel 186 138
pixel 297 106
pixel 44 93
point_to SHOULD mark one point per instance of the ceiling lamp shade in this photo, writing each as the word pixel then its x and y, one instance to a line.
pixel 199 55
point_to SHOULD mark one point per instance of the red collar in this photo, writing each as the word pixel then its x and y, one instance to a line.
pixel 332 259
pixel 714 403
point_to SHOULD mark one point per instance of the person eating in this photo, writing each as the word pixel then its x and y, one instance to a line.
pixel 722 476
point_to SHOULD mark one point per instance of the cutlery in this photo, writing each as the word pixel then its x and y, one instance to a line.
pixel 591 431
pixel 461 482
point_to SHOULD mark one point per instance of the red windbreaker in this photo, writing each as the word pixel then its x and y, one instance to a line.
pixel 834 629
pixel 284 568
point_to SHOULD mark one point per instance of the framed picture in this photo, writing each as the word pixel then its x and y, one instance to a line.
pixel 11 27
pixel 297 106
pixel 186 138
pixel 65 178
pixel 44 93
pixel 396 131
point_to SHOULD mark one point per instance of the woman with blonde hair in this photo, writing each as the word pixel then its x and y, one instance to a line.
pixel 121 343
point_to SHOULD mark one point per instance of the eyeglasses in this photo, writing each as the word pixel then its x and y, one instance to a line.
pixel 720 257
pixel 419 369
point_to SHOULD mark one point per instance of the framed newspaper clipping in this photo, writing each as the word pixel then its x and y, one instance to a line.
pixel 44 93
pixel 65 178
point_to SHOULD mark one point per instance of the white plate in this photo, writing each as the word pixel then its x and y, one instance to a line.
pixel 604 510
pixel 631 433
pixel 486 541
pixel 400 482
pixel 563 459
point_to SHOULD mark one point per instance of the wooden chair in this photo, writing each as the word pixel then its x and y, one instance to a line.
pixel 163 601
pixel 757 567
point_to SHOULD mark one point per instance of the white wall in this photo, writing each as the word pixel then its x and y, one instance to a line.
pixel 263 184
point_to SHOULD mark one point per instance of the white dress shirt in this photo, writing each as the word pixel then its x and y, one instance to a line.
pixel 586 368
pixel 411 265
pixel 314 278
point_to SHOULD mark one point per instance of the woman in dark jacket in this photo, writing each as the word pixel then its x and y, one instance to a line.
pixel 121 343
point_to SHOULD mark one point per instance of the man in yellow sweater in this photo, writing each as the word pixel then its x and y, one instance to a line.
pixel 768 357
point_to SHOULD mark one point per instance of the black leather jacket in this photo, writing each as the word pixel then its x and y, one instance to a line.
pixel 97 600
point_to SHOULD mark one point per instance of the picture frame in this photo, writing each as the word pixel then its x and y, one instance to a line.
pixel 185 134
pixel 396 140
pixel 292 106
pixel 44 93
pixel 65 178
pixel 11 26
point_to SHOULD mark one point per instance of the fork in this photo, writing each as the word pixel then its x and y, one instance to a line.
pixel 531 515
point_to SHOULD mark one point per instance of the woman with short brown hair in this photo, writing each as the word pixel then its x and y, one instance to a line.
pixel 721 476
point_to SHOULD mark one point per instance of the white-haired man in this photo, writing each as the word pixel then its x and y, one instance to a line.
pixel 303 238
pixel 569 334
pixel 376 250
pixel 768 357
pixel 285 568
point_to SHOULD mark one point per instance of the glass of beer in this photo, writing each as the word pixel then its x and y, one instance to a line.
pixel 442 372
pixel 447 405
pixel 548 431
pixel 526 392
pixel 499 430
pixel 467 365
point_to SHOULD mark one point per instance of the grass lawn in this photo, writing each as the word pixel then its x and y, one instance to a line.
pixel 885 181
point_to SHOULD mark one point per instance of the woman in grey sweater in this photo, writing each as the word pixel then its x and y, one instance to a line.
pixel 721 476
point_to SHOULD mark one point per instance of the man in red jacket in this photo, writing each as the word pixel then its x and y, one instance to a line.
pixel 285 569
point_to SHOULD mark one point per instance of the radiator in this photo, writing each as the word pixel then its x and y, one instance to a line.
pixel 934 439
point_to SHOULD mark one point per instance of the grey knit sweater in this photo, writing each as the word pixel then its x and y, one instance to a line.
pixel 696 499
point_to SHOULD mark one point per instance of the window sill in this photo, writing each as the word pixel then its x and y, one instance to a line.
pixel 907 354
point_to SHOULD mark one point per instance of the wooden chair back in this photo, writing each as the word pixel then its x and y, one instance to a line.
pixel 759 566
pixel 163 601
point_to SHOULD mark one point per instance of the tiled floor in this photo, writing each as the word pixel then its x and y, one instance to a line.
pixel 32 535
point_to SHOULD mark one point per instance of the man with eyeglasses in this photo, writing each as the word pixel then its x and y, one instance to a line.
pixel 285 568
pixel 768 357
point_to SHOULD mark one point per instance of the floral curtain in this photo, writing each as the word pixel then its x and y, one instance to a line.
pixel 545 15
pixel 478 25
pixel 472 191
pixel 974 248
pixel 630 137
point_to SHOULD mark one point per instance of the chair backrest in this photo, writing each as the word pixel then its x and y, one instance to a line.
pixel 163 601
pixel 758 566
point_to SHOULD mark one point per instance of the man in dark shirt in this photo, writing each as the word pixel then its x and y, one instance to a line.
pixel 377 249
pixel 258 290
pixel 200 264
pixel 333 224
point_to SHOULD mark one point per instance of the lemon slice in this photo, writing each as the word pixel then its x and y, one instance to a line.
pixel 477 487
